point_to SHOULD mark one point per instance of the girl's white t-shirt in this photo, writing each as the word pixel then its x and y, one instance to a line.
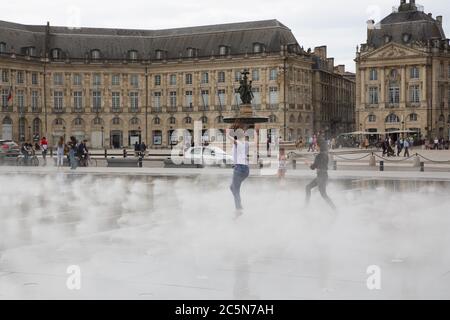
pixel 240 153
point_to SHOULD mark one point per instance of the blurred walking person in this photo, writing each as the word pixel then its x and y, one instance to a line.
pixel 44 148
pixel 60 152
pixel 321 165
pixel 72 152
pixel 406 147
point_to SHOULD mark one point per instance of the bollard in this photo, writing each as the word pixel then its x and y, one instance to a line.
pixel 124 152
pixel 372 161
pixel 416 163
pixel 294 164
pixel 106 153
pixel 51 152
pixel 381 165
pixel 422 167
pixel 140 161
pixel 334 165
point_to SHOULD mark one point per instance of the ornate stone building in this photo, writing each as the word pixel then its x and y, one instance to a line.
pixel 115 87
pixel 333 95
pixel 403 74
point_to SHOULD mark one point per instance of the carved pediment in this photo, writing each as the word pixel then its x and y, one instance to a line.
pixel 392 51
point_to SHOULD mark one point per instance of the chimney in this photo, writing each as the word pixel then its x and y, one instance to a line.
pixel 330 62
pixel 321 51
pixel 439 19
pixel 340 69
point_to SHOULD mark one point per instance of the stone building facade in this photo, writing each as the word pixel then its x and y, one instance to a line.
pixel 333 95
pixel 115 87
pixel 403 73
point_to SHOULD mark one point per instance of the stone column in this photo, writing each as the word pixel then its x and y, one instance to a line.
pixel 382 97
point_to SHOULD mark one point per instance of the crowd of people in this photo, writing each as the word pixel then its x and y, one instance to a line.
pixel 76 152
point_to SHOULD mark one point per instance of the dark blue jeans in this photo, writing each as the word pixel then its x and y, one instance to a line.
pixel 240 173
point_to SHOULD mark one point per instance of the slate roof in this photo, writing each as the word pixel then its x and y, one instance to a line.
pixel 115 43
pixel 419 25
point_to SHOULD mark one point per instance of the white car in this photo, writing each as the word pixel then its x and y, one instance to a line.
pixel 208 156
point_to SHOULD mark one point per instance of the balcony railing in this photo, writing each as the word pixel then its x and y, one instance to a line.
pixel 134 110
pixel 272 107
pixel 172 109
pixel 59 110
pixel 116 109
pixel 390 105
pixel 77 110
pixel 219 108
pixel 413 105
pixel 97 109
pixel 36 110
pixel 256 106
pixel 156 109
pixel 7 109
pixel 188 109
pixel 235 108
pixel 203 108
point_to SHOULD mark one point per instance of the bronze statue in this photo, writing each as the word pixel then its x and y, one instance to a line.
pixel 245 90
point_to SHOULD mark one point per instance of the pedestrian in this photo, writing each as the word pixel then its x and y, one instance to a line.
pixel 72 152
pixel 241 169
pixel 282 164
pixel 321 165
pixel 406 146
pixel 44 148
pixel 143 148
pixel 137 148
pixel 60 152
pixel 399 147
pixel 436 144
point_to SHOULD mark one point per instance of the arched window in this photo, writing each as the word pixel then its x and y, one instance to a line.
pixel 292 118
pixel 97 121
pixel 219 119
pixel 78 122
pixel 157 121
pixel 442 118
pixel 58 122
pixel 272 118
pixel 300 119
pixel 134 121
pixel 392 118
pixel 172 120
pixel 308 119
pixel 204 119
pixel 7 121
pixel 116 121
pixel 257 47
pixel 188 120
pixel 95 54
pixel 372 118
pixel 413 117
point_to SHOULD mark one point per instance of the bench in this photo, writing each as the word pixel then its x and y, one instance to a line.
pixel 168 163
pixel 122 163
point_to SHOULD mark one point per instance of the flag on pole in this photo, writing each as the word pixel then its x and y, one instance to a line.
pixel 10 94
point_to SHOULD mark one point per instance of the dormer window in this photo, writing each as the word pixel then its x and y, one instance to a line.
pixel 2 47
pixel 159 54
pixel 132 55
pixel 406 37
pixel 56 54
pixel 95 54
pixel 387 39
pixel 192 52
pixel 29 51
pixel 223 50
pixel 257 48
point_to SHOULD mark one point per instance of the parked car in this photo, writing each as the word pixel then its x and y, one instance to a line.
pixel 8 149
pixel 209 156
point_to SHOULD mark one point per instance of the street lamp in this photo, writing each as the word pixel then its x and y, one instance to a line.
pixel 102 137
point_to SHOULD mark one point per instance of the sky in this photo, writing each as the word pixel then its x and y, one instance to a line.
pixel 341 25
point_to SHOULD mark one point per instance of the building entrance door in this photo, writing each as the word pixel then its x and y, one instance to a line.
pixel 116 139
pixel 7 132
